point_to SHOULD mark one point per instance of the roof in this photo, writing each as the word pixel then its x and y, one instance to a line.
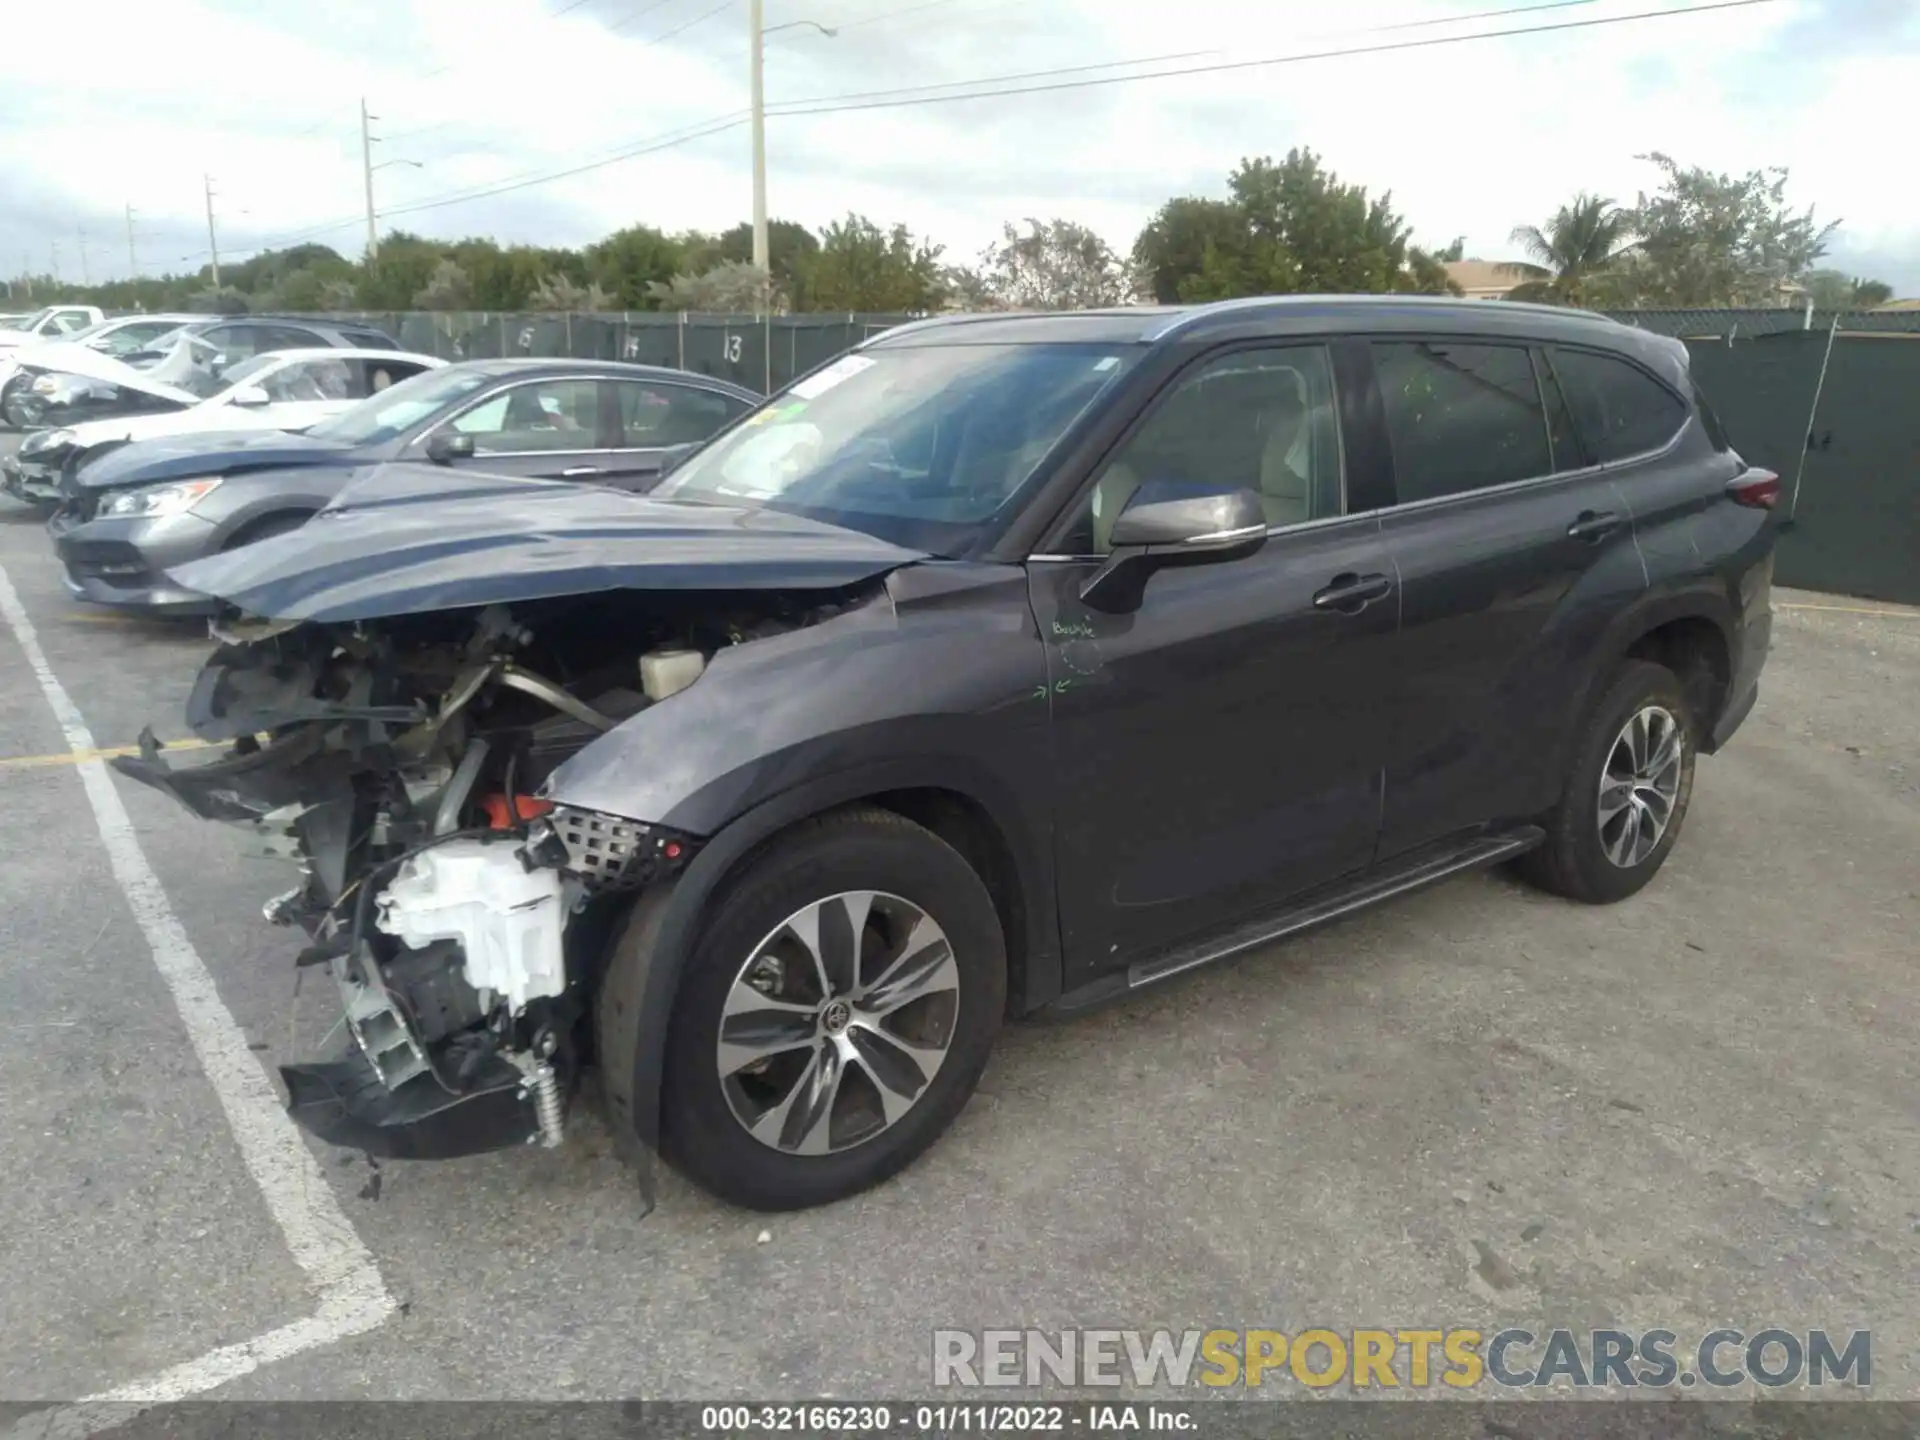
pixel 564 365
pixel 1486 274
pixel 1148 324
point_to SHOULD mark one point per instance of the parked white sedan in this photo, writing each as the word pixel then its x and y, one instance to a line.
pixel 281 390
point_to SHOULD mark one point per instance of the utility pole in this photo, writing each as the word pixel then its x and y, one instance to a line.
pixel 756 21
pixel 26 273
pixel 366 168
pixel 133 260
pixel 81 232
pixel 213 242
pixel 54 246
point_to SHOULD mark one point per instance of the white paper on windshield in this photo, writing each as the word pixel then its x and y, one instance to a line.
pixel 845 368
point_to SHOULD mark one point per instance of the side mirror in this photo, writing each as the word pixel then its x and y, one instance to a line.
pixel 1168 523
pixel 446 446
pixel 251 396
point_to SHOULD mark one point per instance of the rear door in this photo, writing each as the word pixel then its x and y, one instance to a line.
pixel 1512 549
pixel 657 422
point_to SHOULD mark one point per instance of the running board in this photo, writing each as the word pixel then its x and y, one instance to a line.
pixel 1428 869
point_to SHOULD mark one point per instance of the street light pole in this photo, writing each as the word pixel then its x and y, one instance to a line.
pixel 366 167
pixel 213 242
pixel 133 260
pixel 756 66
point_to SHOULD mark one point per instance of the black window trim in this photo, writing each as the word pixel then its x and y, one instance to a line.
pixel 1328 344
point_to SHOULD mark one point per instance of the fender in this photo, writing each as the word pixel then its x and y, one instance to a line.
pixel 653 948
pixel 1699 599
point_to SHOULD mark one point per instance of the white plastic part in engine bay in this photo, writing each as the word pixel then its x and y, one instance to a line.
pixel 507 919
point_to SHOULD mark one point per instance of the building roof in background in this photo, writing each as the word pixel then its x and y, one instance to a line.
pixel 1471 275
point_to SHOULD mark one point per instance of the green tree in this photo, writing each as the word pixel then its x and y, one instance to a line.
pixel 1837 290
pixel 449 288
pixel 1708 239
pixel 628 261
pixel 731 287
pixel 557 292
pixel 401 271
pixel 789 247
pixel 1569 257
pixel 1286 228
pixel 861 267
pixel 1053 265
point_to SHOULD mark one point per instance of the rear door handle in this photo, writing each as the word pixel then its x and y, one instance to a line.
pixel 1593 525
pixel 576 471
pixel 1350 594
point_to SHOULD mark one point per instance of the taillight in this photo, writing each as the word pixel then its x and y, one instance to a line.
pixel 528 807
pixel 1757 488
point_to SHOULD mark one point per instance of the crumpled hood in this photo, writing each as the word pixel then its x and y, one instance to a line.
pixel 216 452
pixel 396 548
pixel 61 357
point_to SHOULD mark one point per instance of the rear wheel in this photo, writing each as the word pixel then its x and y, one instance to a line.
pixel 1626 792
pixel 836 1017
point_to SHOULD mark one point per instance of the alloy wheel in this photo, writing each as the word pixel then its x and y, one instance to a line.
pixel 1639 785
pixel 837 1023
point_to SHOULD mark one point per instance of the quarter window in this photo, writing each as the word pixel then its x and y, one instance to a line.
pixel 1260 420
pixel 1460 417
pixel 1621 410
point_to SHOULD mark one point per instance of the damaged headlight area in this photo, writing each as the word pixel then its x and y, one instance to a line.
pixel 463 916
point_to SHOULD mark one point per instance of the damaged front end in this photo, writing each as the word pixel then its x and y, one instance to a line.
pixel 401 763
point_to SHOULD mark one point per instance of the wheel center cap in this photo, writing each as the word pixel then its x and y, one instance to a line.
pixel 835 1016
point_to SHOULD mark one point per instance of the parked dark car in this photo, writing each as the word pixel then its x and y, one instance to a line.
pixel 134 512
pixel 1007 664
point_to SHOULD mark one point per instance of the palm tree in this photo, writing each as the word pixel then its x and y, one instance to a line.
pixel 1580 243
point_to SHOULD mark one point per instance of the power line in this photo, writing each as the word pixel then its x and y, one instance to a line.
pixel 638 16
pixel 921 95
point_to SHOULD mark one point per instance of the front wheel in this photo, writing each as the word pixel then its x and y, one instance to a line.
pixel 1626 791
pixel 836 1017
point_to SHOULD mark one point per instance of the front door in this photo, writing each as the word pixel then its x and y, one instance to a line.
pixel 1219 749
pixel 548 429
pixel 1512 552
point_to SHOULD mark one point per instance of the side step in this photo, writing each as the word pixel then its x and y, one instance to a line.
pixel 1415 872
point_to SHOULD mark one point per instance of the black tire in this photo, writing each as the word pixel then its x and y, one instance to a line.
pixel 1573 861
pixel 267 527
pixel 859 848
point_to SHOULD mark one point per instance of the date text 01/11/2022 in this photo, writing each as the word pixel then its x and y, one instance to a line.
pixel 943 1419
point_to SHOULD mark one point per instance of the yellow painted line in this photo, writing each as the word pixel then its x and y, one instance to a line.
pixel 74 757
pixel 1853 610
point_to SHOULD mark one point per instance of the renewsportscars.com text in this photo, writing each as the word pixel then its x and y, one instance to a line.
pixel 1401 1358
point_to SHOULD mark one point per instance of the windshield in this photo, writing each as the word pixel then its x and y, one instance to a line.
pixel 919 445
pixel 35 320
pixel 398 408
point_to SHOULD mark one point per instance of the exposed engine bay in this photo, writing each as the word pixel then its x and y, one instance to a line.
pixel 402 764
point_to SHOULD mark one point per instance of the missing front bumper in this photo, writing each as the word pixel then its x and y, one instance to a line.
pixel 345 1103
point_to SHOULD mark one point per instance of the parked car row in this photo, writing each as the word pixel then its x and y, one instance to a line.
pixel 1007 664
pixel 287 432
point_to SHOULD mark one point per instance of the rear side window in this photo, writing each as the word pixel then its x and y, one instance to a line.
pixel 1621 410
pixel 1460 417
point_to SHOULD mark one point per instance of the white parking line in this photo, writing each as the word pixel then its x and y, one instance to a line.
pixel 352 1297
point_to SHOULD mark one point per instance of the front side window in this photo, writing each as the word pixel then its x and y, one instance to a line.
pixel 392 412
pixel 922 445
pixel 1261 420
pixel 1460 417
pixel 1621 410
pixel 308 380
pixel 541 415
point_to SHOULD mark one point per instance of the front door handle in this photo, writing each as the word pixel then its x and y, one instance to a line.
pixel 1593 525
pixel 576 471
pixel 1350 593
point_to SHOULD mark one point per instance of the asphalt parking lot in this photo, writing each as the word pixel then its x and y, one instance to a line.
pixel 1478 1107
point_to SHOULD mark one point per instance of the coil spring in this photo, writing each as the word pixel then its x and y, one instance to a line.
pixel 546 1106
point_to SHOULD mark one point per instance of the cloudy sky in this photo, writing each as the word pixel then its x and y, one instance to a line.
pixel 130 102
